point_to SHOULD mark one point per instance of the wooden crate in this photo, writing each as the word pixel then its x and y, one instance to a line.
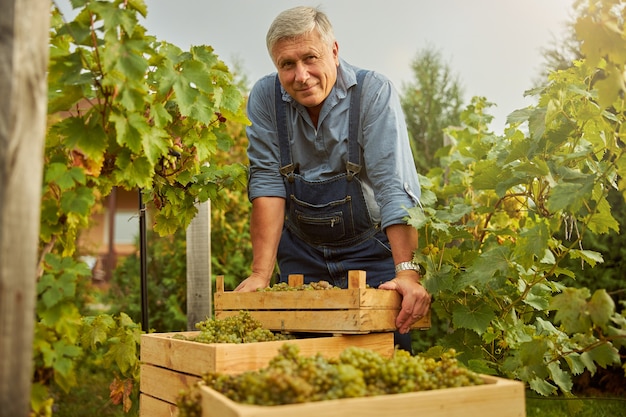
pixel 497 398
pixel 170 365
pixel 356 309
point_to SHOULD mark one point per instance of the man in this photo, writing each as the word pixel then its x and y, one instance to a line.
pixel 331 171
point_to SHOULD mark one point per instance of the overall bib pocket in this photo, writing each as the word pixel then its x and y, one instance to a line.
pixel 322 223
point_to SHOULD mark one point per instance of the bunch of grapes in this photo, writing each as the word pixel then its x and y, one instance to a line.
pixel 406 373
pixel 358 372
pixel 283 286
pixel 242 328
pixel 189 404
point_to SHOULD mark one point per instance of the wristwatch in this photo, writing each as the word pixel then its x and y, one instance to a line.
pixel 404 266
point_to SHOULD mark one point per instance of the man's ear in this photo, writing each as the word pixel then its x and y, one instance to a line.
pixel 336 52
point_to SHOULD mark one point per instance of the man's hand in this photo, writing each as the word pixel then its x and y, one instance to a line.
pixel 253 283
pixel 415 299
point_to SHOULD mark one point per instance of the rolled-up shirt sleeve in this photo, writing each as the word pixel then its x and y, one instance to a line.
pixel 388 158
pixel 263 152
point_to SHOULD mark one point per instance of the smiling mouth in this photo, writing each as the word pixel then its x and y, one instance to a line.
pixel 305 88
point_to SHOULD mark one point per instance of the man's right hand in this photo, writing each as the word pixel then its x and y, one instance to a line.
pixel 252 283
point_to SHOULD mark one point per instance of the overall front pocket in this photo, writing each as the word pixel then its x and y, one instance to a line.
pixel 322 223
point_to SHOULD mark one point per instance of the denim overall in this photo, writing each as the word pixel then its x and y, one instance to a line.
pixel 328 230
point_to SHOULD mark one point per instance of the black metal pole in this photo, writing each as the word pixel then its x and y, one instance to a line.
pixel 143 258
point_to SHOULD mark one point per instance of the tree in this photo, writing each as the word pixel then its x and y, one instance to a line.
pixel 561 53
pixel 23 57
pixel 432 102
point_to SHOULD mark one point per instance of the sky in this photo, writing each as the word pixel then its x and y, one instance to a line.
pixel 494 47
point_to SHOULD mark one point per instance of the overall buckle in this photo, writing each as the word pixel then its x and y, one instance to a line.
pixel 352 170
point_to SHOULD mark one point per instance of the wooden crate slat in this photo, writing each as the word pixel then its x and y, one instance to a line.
pixel 379 299
pixel 287 300
pixel 324 321
pixel 498 398
pixel 182 355
pixel 164 384
pixel 327 321
pixel 153 407
pixel 337 299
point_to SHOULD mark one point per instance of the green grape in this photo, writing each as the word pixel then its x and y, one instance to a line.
pixel 291 378
pixel 189 404
pixel 283 286
pixel 242 328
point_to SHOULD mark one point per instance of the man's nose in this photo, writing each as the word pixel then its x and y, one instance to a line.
pixel 302 73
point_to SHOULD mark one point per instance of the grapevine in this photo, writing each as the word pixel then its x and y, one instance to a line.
pixel 291 378
pixel 242 328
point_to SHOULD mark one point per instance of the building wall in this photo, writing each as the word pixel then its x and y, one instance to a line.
pixel 114 233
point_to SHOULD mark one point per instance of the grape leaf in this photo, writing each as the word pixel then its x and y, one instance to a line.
pixel 542 386
pixel 78 201
pixel 601 307
pixel 575 363
pixel 120 391
pixel 532 243
pixel 155 144
pixel 134 173
pixel 487 175
pixel 531 355
pixel 127 133
pixel 568 196
pixel 492 261
pixel 562 379
pixel 538 299
pixel 159 115
pixel 477 317
pixel 602 221
pixel 570 309
pixel 602 355
pixel 96 330
pixel 589 256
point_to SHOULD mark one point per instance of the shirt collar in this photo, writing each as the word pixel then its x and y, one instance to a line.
pixel 346 78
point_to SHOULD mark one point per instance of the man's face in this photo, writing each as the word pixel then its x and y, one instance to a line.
pixel 307 68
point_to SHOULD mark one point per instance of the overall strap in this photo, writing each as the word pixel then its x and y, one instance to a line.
pixel 286 165
pixel 353 166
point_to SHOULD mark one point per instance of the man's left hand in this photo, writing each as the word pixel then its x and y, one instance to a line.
pixel 415 299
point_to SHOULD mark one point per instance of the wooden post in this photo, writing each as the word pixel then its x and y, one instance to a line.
pixel 24 39
pixel 199 293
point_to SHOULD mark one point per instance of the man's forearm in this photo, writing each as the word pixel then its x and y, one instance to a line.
pixel 403 241
pixel 266 225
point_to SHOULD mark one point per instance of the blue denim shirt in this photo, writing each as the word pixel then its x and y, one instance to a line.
pixel 388 175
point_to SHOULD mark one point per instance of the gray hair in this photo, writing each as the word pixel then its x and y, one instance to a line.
pixel 299 21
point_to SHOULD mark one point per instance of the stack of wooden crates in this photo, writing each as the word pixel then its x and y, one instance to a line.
pixel 356 316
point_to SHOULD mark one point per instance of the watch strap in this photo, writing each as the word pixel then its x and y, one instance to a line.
pixel 405 266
